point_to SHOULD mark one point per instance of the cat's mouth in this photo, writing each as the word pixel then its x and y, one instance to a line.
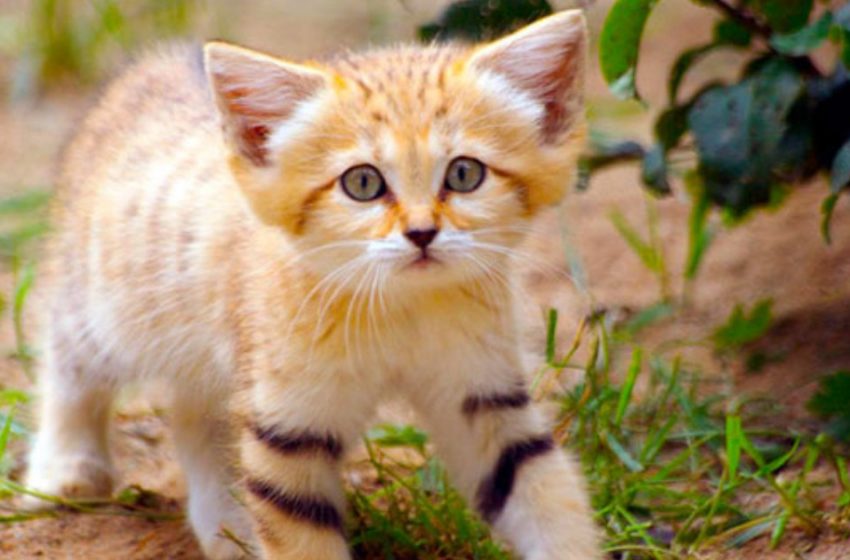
pixel 423 260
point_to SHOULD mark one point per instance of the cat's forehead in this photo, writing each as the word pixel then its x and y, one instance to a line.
pixel 400 82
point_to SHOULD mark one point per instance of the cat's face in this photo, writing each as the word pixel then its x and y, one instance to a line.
pixel 418 165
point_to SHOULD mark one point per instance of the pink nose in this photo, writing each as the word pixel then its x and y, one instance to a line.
pixel 421 237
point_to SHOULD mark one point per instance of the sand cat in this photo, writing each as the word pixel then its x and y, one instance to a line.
pixel 287 243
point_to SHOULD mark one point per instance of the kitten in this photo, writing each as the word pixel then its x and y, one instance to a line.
pixel 348 236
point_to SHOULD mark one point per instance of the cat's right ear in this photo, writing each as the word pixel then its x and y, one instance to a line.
pixel 257 94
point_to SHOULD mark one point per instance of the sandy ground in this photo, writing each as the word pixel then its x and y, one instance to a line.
pixel 778 254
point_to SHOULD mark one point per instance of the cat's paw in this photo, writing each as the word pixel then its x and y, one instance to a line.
pixel 72 477
pixel 222 527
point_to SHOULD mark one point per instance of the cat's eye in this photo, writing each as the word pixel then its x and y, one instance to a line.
pixel 464 174
pixel 363 183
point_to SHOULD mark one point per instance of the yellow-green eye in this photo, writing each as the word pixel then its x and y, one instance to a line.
pixel 464 174
pixel 363 183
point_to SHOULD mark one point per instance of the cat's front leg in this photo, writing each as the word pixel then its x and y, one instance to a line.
pixel 500 453
pixel 297 430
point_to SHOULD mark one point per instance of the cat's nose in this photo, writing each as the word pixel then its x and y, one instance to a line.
pixel 421 237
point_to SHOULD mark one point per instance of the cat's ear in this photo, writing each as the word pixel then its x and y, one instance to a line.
pixel 546 62
pixel 256 95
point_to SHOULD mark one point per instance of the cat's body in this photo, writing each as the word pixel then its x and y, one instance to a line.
pixel 281 308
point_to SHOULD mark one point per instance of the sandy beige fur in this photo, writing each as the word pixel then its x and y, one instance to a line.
pixel 235 264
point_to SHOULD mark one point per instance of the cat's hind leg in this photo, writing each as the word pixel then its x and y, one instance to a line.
pixel 70 455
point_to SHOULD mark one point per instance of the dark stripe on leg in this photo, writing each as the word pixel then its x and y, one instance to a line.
pixel 309 509
pixel 476 403
pixel 494 490
pixel 298 442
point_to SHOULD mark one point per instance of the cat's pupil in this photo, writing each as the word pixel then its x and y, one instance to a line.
pixel 461 172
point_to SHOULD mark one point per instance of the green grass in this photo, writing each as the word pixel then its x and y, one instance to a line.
pixel 56 41
pixel 674 464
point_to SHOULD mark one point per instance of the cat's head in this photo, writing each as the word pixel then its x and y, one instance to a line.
pixel 420 164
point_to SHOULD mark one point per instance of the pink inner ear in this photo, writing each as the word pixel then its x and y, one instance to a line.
pixel 551 79
pixel 556 88
pixel 546 61
pixel 256 96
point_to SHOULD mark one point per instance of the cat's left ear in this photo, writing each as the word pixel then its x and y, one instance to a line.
pixel 545 61
pixel 256 95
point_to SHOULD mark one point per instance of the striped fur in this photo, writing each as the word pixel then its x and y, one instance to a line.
pixel 299 442
pixel 494 491
pixel 203 238
pixel 314 510
pixel 472 405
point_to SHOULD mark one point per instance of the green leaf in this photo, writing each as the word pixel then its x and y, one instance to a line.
pixel 551 330
pixel 840 174
pixel 13 396
pixel 742 327
pixel 753 532
pixel 24 203
pixel 784 16
pixel 780 461
pixel 826 210
pixel 741 132
pixel 734 438
pixel 699 235
pixel 398 435
pixel 683 63
pixel 841 21
pixel 628 386
pixel 622 453
pixel 671 125
pixel 5 432
pixel 644 250
pixel 803 40
pixel 477 20
pixel 730 32
pixel 619 44
pixel 648 316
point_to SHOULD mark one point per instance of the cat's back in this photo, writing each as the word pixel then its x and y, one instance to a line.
pixel 145 208
pixel 158 105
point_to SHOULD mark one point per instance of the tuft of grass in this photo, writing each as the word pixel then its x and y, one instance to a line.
pixel 410 510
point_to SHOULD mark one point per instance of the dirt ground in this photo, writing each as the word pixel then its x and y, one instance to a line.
pixel 778 254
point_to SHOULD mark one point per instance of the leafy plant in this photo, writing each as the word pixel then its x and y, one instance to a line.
pixel 781 121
